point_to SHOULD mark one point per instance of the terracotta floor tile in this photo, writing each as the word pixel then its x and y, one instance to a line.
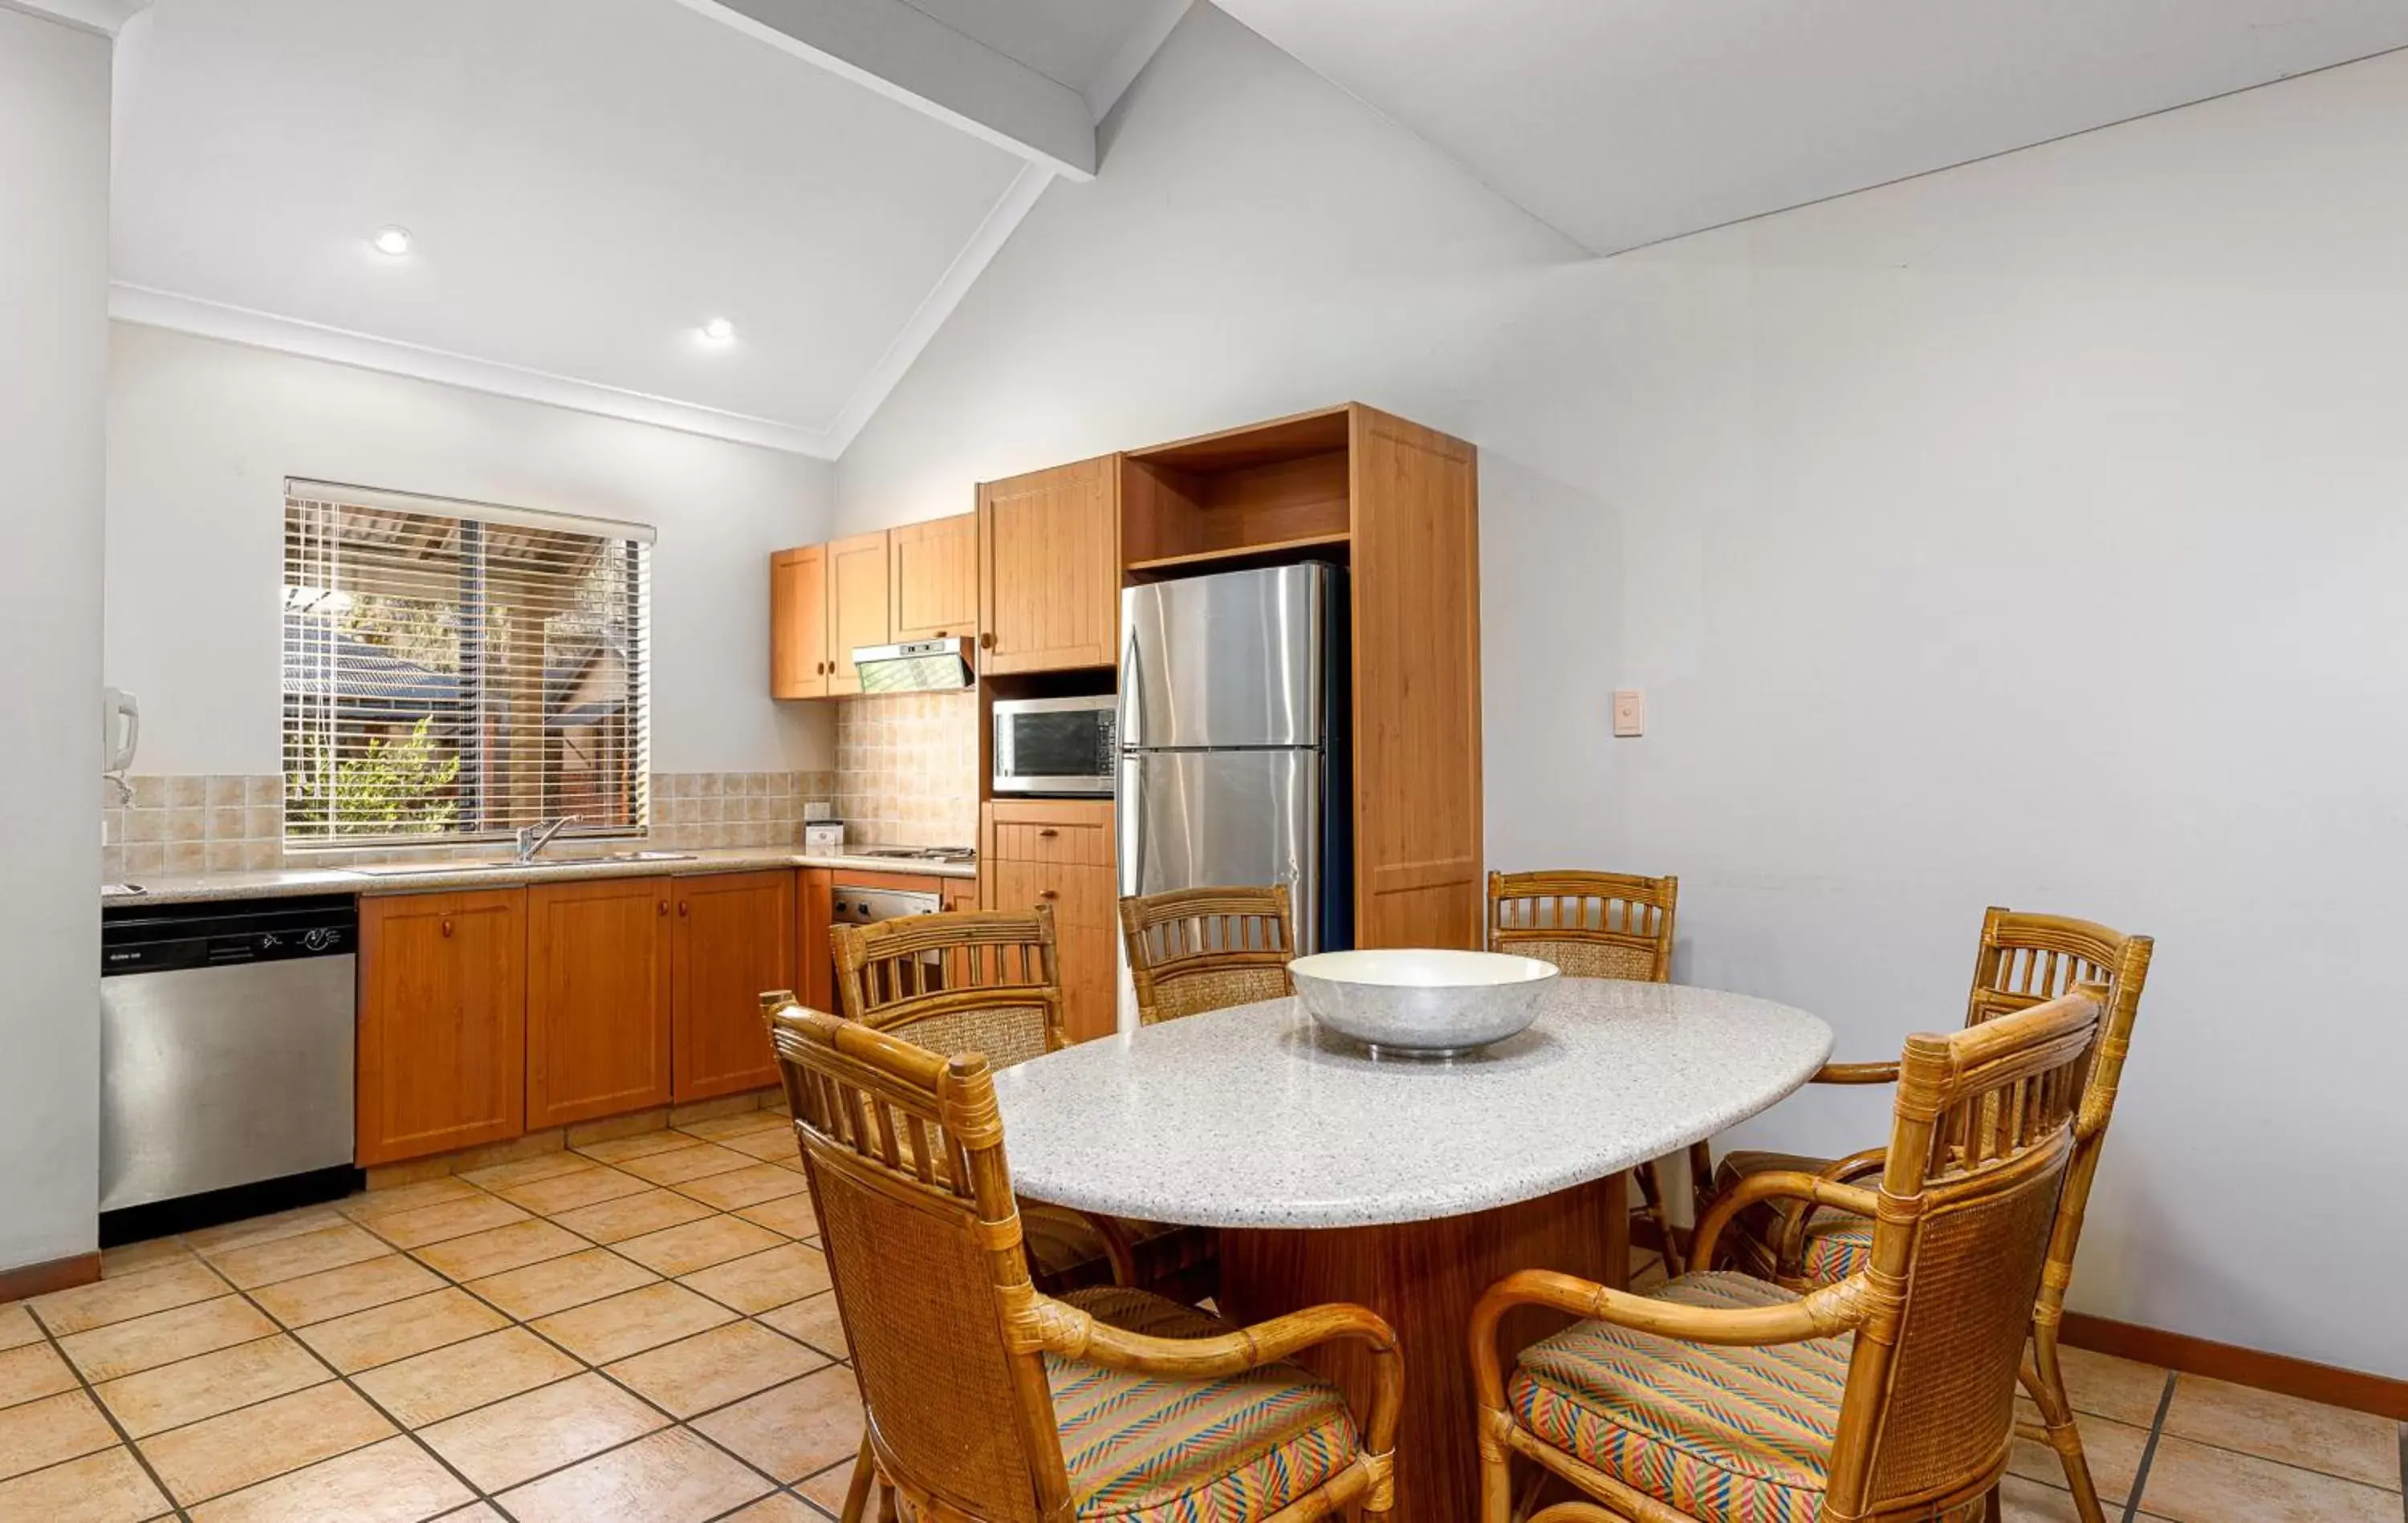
pixel 446 1382
pixel 673 1476
pixel 247 1445
pixel 643 1144
pixel 499 1249
pixel 744 1186
pixel 212 1241
pixel 2112 1449
pixel 687 1164
pixel 32 1370
pixel 385 1202
pixel 790 1214
pixel 568 1191
pixel 720 1129
pixel 632 1322
pixel 445 1220
pixel 482 1512
pixel 500 1445
pixel 815 1321
pixel 784 1273
pixel 392 1482
pixel 103 1302
pixel 304 1253
pixel 354 1287
pixel 105 1487
pixel 714 1368
pixel 164 1337
pixel 525 1171
pixel 557 1283
pixel 774 1145
pixel 36 1433
pixel 698 1245
pixel 2194 1483
pixel 632 1215
pixel 2355 1445
pixel 2107 1387
pixel 18 1329
pixel 2029 1502
pixel 385 1333
pixel 826 1488
pixel 794 1430
pixel 173 1395
pixel 133 1257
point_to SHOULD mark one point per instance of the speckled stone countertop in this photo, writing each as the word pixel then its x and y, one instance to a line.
pixel 289 882
pixel 1252 1117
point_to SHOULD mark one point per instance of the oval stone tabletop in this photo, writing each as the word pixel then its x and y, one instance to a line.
pixel 1252 1117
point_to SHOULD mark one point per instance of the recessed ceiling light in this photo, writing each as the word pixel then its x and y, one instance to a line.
pixel 391 240
pixel 718 331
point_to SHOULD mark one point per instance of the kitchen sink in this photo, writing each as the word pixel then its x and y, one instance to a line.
pixel 599 859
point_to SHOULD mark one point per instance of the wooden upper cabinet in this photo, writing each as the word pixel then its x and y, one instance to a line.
pixel 442 1023
pixel 735 942
pixel 598 999
pixel 1048 569
pixel 932 576
pixel 798 622
pixel 857 611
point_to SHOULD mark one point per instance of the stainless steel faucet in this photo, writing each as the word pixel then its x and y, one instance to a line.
pixel 533 838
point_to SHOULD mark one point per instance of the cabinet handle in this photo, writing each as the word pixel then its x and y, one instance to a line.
pixel 1048 834
pixel 446 928
pixel 1041 893
pixel 684 906
pixel 664 907
pixel 986 640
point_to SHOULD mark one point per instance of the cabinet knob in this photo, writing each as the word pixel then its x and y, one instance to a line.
pixel 986 640
pixel 1041 893
pixel 446 928
pixel 685 906
pixel 664 907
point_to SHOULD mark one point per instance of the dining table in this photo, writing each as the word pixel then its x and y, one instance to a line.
pixel 1407 1185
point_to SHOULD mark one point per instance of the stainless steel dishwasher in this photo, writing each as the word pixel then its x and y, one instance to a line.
pixel 226 1043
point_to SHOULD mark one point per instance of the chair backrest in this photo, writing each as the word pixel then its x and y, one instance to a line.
pixel 974 981
pixel 1592 925
pixel 1199 949
pixel 904 1151
pixel 1982 1136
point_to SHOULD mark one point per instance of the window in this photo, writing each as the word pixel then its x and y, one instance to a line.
pixel 454 671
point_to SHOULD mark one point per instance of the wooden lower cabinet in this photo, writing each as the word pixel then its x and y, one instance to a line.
pixel 442 1023
pixel 1059 852
pixel 599 995
pixel 734 941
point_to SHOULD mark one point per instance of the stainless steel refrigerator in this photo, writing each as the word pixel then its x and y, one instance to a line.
pixel 1234 771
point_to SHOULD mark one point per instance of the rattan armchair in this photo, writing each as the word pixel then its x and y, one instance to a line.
pixel 1601 925
pixel 1199 949
pixel 1888 1395
pixel 987 1401
pixel 2024 959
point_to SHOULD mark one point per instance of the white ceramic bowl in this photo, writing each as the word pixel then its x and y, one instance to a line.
pixel 1424 1002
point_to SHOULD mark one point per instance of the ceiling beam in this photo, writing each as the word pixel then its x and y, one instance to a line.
pixel 101 16
pixel 911 57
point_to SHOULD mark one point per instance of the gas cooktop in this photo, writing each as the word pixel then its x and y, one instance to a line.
pixel 920 854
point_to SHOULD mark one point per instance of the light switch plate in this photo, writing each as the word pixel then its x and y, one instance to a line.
pixel 1630 712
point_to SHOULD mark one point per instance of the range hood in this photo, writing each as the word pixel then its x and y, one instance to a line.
pixel 916 667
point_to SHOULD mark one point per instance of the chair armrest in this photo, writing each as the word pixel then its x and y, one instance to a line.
pixel 1856 1074
pixel 1789 1252
pixel 1773 1184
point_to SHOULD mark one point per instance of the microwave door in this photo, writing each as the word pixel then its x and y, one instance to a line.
pixel 1193 820
pixel 1225 661
pixel 1044 748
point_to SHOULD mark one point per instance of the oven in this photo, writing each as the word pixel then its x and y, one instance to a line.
pixel 1065 746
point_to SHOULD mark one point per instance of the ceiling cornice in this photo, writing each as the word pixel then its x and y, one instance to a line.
pixel 101 16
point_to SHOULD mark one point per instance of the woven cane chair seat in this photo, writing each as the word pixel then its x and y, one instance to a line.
pixel 1837 1243
pixel 1142 1449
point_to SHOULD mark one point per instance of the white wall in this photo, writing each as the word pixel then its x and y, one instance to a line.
pixel 203 433
pixel 2028 533
pixel 53 375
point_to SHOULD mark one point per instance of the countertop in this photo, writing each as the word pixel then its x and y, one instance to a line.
pixel 285 883
pixel 1252 1117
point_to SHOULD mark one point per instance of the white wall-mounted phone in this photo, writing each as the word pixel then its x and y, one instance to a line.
pixel 121 729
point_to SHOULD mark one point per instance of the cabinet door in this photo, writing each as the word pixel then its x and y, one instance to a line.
pixel 932 573
pixel 734 935
pixel 858 616
pixel 814 890
pixel 599 995
pixel 1048 569
pixel 442 1023
pixel 798 623
pixel 1085 935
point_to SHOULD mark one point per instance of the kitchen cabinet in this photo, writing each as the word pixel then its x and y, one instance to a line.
pixel 733 940
pixel 816 892
pixel 442 1023
pixel 857 613
pixel 932 579
pixel 1048 569
pixel 599 995
pixel 798 623
pixel 1059 852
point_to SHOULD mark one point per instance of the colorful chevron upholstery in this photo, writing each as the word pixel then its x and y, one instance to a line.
pixel 1837 1244
pixel 1734 1435
pixel 1142 1449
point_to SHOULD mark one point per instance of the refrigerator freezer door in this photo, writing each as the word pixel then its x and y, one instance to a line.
pixel 1231 660
pixel 1193 820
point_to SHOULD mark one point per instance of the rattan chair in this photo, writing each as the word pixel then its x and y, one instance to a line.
pixel 1601 925
pixel 987 1401
pixel 1888 1395
pixel 2024 959
pixel 1199 949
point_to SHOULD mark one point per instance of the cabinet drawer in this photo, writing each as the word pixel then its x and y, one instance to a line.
pixel 1080 896
pixel 1067 835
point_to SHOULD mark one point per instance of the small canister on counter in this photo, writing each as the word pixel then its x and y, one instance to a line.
pixel 823 837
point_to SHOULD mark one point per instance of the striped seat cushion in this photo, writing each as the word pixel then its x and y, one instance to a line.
pixel 1146 1449
pixel 1838 1242
pixel 1734 1435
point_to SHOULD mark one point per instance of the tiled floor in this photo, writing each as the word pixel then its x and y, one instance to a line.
pixel 641 1330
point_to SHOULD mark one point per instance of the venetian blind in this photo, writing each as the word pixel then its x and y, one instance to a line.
pixel 454 671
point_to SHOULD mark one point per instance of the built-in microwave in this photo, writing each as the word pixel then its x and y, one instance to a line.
pixel 1056 745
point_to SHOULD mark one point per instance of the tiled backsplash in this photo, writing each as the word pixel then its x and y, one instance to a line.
pixel 907 769
pixel 224 822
